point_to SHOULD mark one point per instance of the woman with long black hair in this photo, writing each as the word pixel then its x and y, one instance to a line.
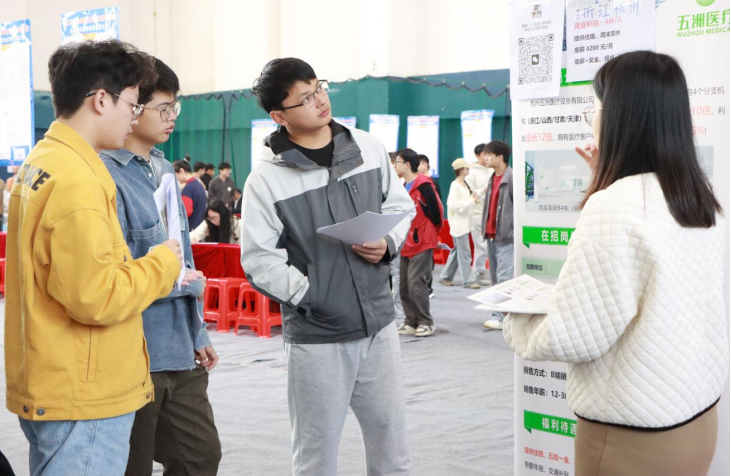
pixel 638 310
pixel 220 226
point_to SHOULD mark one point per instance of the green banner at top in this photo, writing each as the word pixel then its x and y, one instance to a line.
pixel 539 235
pixel 549 424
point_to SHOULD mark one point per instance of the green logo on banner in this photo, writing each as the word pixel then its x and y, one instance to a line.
pixel 549 424
pixel 535 235
pixel 705 3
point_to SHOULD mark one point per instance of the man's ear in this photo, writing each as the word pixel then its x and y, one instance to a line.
pixel 101 102
pixel 278 117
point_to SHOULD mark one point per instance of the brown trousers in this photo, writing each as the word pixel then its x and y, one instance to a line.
pixel 605 450
pixel 177 429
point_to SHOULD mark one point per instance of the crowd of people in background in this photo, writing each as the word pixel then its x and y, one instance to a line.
pixel 480 218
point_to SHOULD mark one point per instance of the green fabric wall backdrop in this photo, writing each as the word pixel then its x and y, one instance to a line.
pixel 211 132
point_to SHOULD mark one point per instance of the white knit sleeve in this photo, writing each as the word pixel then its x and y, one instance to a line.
pixel 589 310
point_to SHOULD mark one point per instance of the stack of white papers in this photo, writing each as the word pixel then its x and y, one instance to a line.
pixel 524 294
pixel 166 198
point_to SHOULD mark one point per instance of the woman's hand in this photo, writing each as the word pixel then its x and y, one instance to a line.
pixel 590 154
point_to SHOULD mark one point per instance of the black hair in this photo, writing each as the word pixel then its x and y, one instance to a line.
pixel 167 82
pixel 410 157
pixel 279 75
pixel 423 158
pixel 392 156
pixel 181 164
pixel 224 165
pixel 82 67
pixel 499 148
pixel 210 167
pixel 646 127
pixel 220 233
pixel 199 166
pixel 238 190
pixel 480 148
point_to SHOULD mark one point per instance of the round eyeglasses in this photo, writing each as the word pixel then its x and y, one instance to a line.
pixel 168 110
pixel 589 114
pixel 136 108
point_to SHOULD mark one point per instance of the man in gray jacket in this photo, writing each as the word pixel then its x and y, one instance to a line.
pixel 497 220
pixel 340 337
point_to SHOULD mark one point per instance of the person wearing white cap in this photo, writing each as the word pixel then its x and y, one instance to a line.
pixel 460 205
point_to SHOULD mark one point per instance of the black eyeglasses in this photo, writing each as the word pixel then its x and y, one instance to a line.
pixel 136 108
pixel 309 100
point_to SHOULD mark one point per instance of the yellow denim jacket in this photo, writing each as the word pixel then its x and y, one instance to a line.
pixel 74 344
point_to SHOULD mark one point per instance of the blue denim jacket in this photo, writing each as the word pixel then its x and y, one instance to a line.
pixel 172 325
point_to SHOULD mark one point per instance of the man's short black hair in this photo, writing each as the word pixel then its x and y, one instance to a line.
pixel 199 166
pixel 480 148
pixel 238 190
pixel 279 75
pixel 410 157
pixel 499 148
pixel 224 166
pixel 181 164
pixel 82 67
pixel 167 82
pixel 423 158
pixel 210 167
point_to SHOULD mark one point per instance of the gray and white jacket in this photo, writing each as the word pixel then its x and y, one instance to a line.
pixel 328 293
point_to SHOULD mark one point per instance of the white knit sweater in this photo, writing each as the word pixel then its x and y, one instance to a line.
pixel 637 312
pixel 460 205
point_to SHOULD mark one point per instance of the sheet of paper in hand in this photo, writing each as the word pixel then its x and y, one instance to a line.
pixel 523 294
pixel 368 227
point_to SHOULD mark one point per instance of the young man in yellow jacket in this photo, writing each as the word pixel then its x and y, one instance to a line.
pixel 76 361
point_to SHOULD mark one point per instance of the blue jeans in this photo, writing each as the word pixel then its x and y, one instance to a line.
pixel 81 448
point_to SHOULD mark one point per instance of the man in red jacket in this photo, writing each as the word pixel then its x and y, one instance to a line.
pixel 417 254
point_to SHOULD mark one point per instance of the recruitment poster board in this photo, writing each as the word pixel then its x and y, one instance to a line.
pixel 422 135
pixel 16 93
pixel 349 121
pixel 386 128
pixel 260 129
pixel 476 129
pixel 97 24
pixel 550 180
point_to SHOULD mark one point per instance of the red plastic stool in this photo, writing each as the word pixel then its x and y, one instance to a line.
pixel 271 316
pixel 220 302
pixel 2 276
pixel 248 308
pixel 257 311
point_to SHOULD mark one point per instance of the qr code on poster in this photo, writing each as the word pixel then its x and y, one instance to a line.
pixel 535 59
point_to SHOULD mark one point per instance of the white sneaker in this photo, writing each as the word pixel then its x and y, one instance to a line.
pixel 493 324
pixel 423 331
pixel 405 330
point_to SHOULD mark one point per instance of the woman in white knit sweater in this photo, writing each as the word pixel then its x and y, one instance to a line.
pixel 460 205
pixel 638 310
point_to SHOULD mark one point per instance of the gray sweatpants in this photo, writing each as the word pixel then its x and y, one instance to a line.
pixel 501 266
pixel 396 285
pixel 460 257
pixel 365 375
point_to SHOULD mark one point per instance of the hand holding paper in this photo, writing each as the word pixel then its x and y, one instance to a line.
pixel 372 252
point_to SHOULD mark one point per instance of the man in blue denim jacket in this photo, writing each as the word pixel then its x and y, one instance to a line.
pixel 177 429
